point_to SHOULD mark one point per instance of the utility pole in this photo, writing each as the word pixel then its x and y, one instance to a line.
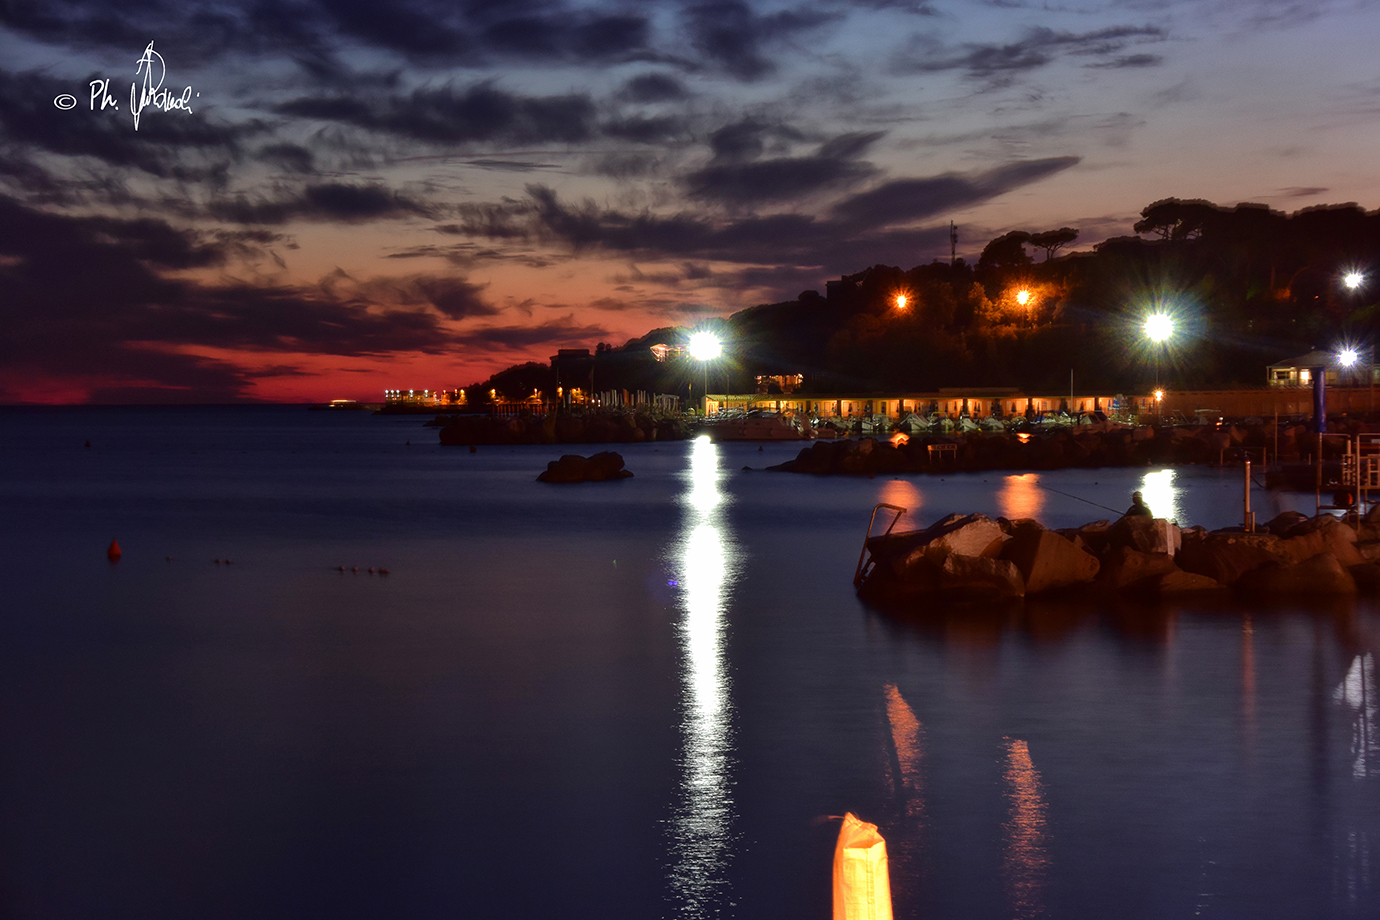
pixel 953 244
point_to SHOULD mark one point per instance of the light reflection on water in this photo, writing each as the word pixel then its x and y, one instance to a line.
pixel 1021 496
pixel 1163 496
pixel 1025 851
pixel 701 826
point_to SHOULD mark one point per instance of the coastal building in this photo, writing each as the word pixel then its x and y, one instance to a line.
pixel 424 399
pixel 951 402
pixel 1299 371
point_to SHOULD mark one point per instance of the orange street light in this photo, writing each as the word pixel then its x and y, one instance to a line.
pixel 901 301
pixel 1023 297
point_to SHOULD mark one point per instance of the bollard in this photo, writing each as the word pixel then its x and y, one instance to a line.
pixel 1248 517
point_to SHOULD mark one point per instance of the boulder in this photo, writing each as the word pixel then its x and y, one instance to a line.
pixel 1223 559
pixel 1148 535
pixel 1181 582
pixel 1322 534
pixel 1284 522
pixel 1123 567
pixel 979 577
pixel 601 467
pixel 1366 576
pixel 1317 575
pixel 966 535
pixel 1047 560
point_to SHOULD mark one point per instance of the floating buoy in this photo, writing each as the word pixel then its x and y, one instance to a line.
pixel 229 562
pixel 88 443
pixel 355 569
pixel 169 558
pixel 383 571
pixel 340 568
pixel 113 554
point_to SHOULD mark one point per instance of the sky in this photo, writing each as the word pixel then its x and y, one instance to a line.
pixel 330 198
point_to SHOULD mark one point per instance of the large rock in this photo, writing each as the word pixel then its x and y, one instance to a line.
pixel 1319 575
pixel 1148 535
pixel 966 535
pixel 1047 560
pixel 1181 582
pixel 979 577
pixel 1322 534
pixel 1123 567
pixel 601 467
pixel 1224 559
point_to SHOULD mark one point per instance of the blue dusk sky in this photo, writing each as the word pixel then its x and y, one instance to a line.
pixel 327 198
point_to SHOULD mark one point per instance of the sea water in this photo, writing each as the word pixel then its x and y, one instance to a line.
pixel 645 698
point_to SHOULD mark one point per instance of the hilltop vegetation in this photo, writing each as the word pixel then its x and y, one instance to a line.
pixel 1246 285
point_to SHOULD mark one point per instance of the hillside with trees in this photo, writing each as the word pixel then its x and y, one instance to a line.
pixel 1246 286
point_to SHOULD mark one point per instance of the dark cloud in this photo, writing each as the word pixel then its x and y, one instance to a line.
pixel 653 87
pixel 1131 60
pixel 660 129
pixel 1036 48
pixel 907 200
pixel 94 299
pixel 447 115
pixel 564 332
pixel 560 35
pixel 781 179
pixel 732 36
pixel 329 201
pixel 290 157
pixel 169 145
pixel 748 139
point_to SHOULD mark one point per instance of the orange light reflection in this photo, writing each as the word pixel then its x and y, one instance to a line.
pixel 1021 496
pixel 907 736
pixel 1025 854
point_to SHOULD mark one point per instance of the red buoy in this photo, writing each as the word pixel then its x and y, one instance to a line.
pixel 114 552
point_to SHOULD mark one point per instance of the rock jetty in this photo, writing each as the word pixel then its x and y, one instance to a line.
pixel 601 467
pixel 975 558
pixel 559 428
pixel 1083 446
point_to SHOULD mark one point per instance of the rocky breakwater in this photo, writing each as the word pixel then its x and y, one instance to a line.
pixel 1081 446
pixel 559 428
pixel 601 467
pixel 975 558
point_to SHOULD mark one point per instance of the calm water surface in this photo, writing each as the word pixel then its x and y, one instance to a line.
pixel 633 699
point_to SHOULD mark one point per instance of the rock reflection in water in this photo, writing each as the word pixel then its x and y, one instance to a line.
pixel 701 825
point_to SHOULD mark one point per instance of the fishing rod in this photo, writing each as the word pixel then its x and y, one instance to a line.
pixel 1077 498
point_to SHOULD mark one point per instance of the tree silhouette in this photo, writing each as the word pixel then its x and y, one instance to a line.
pixel 1051 240
pixel 1006 251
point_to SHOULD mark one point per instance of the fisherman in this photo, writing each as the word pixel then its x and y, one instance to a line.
pixel 1138 507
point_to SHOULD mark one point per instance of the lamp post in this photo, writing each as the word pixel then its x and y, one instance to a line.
pixel 704 347
pixel 1158 328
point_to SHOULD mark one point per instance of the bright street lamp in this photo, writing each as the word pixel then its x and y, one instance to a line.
pixel 1159 327
pixel 1353 280
pixel 705 347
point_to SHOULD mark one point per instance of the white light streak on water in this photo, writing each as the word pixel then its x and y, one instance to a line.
pixel 1357 692
pixel 1162 495
pixel 701 826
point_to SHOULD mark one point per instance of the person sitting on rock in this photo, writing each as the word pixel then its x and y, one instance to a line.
pixel 1138 507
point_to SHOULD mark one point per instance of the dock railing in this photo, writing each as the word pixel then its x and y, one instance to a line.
pixel 865 562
